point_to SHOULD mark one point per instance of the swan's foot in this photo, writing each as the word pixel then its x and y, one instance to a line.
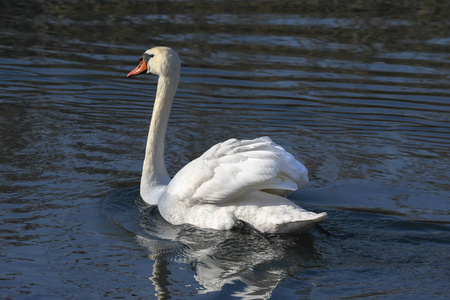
pixel 241 226
pixel 244 227
pixel 333 234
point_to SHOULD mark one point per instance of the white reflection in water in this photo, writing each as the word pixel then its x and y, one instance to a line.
pixel 218 258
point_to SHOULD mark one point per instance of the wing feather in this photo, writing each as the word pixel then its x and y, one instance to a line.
pixel 235 167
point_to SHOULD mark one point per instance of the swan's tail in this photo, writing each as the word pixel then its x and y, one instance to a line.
pixel 300 226
pixel 271 213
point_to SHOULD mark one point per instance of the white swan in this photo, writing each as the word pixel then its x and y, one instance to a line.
pixel 233 182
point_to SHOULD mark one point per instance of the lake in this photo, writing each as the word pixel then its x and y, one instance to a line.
pixel 357 91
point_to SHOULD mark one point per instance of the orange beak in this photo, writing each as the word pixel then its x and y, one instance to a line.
pixel 142 67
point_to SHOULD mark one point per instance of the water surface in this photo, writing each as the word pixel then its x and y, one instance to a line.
pixel 359 93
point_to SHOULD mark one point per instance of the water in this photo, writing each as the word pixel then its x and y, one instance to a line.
pixel 359 92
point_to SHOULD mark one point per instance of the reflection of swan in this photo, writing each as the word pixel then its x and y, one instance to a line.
pixel 248 266
pixel 252 264
pixel 233 181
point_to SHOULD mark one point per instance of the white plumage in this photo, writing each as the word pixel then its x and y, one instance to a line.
pixel 246 180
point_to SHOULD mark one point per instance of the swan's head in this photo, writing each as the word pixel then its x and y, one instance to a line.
pixel 161 61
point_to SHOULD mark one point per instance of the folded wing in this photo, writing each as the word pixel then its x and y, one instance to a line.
pixel 236 167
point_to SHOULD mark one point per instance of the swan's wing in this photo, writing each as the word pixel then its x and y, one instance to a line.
pixel 233 168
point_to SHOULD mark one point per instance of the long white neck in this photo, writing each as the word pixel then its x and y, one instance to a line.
pixel 154 172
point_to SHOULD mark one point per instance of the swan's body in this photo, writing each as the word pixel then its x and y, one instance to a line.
pixel 245 180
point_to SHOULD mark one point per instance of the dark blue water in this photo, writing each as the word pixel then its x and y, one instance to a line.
pixel 359 92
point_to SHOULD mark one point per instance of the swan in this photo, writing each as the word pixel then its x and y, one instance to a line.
pixel 235 183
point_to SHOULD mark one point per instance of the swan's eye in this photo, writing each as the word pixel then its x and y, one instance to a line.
pixel 147 57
